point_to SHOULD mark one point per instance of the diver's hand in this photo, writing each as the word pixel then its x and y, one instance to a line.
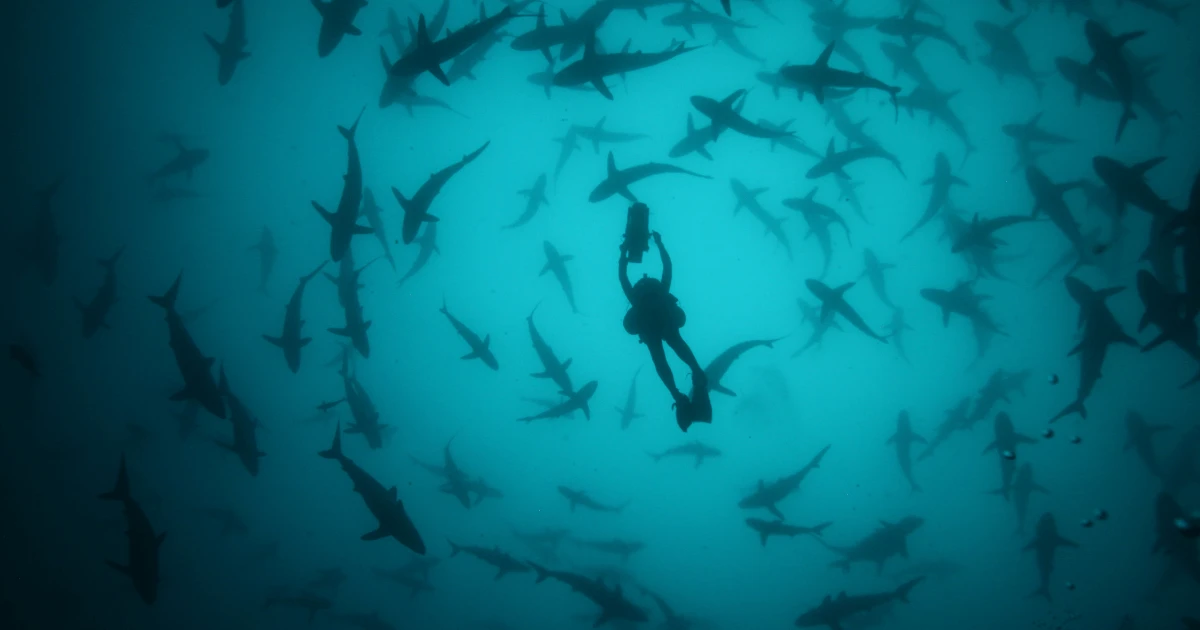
pixel 657 238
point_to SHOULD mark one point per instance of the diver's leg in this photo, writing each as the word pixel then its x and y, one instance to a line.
pixel 680 347
pixel 701 406
pixel 659 357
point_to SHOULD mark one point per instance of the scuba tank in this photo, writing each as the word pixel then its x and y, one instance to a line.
pixel 637 231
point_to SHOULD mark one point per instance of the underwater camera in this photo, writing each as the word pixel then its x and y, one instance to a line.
pixel 637 231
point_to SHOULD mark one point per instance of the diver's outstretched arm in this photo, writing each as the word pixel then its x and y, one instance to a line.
pixel 666 261
pixel 622 269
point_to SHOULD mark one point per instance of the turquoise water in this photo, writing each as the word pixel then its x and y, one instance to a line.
pixel 97 85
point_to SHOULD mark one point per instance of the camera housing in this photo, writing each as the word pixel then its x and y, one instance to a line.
pixel 637 231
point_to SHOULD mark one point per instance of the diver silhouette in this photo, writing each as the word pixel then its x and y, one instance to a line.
pixel 656 317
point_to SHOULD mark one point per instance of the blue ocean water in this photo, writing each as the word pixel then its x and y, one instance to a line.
pixel 103 93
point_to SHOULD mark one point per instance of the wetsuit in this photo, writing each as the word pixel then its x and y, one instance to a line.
pixel 655 317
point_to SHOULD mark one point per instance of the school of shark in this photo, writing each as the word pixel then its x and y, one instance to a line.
pixel 907 293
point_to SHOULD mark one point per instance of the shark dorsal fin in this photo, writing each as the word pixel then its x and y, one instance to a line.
pixel 691 126
pixel 612 164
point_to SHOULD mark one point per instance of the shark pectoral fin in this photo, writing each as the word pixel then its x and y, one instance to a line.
pixel 775 511
pixel 429 218
pixel 181 395
pixel 598 83
pixel 362 229
pixel 471 355
pixel 325 214
pixel 353 30
pixel 375 534
pixel 117 567
pixel 436 71
pixel 275 341
pixel 213 42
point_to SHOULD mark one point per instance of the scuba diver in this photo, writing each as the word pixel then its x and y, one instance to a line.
pixel 655 317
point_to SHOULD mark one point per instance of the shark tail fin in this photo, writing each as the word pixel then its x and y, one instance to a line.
pixel 542 572
pixel 334 451
pixel 120 491
pixel 348 134
pixel 1075 407
pixel 167 300
pixel 110 263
